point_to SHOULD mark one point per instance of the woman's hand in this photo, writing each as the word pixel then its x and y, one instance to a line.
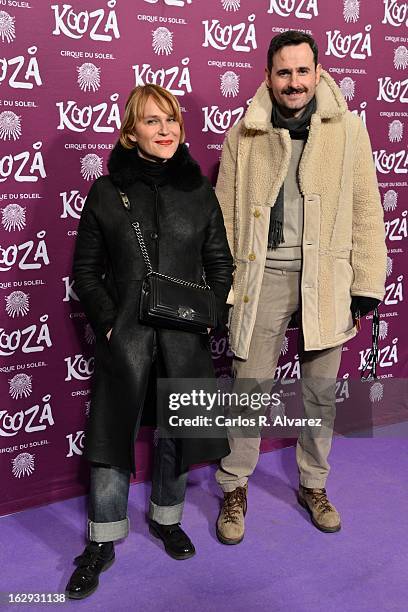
pixel 108 335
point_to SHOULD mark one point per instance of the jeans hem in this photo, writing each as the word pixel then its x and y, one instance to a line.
pixel 166 515
pixel 108 532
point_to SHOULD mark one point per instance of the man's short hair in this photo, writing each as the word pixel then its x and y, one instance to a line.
pixel 291 37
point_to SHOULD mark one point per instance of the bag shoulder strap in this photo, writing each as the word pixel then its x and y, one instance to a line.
pixel 136 227
pixel 125 199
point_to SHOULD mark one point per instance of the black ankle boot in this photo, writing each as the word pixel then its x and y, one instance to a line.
pixel 176 542
pixel 96 558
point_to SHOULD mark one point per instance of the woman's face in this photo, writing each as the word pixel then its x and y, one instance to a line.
pixel 157 133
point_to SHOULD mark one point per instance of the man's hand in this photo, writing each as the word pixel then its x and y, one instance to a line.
pixel 361 305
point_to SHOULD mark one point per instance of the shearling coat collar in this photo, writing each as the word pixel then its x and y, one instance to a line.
pixel 125 168
pixel 330 103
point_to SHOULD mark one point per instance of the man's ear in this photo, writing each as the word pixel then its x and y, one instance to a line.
pixel 318 73
pixel 267 78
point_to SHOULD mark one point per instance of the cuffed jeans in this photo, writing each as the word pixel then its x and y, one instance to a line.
pixel 108 497
pixel 279 300
pixel 109 491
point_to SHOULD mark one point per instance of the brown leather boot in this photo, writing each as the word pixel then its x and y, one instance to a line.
pixel 230 523
pixel 323 514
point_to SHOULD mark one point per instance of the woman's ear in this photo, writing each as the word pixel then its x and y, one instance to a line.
pixel 132 138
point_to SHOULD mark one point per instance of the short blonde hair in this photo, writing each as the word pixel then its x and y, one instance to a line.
pixel 135 105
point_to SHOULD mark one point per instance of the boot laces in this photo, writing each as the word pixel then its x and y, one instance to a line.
pixel 319 498
pixel 234 502
pixel 89 559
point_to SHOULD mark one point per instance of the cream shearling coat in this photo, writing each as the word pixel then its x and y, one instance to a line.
pixel 343 243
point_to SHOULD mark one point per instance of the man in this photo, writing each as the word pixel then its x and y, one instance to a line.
pixel 298 190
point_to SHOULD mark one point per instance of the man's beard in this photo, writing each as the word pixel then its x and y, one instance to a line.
pixel 290 110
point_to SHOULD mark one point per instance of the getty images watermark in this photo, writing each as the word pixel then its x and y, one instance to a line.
pixel 258 403
pixel 208 408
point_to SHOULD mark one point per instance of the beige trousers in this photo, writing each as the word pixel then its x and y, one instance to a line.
pixel 279 300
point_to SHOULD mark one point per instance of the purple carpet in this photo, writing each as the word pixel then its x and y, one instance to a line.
pixel 284 563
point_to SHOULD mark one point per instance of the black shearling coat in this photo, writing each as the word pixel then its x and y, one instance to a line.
pixel 184 233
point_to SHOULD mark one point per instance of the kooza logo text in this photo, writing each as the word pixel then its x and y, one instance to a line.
pixel 72 204
pixel 102 117
pixel 175 79
pixel 391 162
pixel 34 338
pixel 394 292
pixel 289 370
pixel 395 13
pixel 29 255
pixel 79 368
pixel 396 229
pixel 239 37
pixel 301 9
pixel 387 356
pixel 342 389
pixel 101 25
pixel 392 91
pixel 22 167
pixel 69 292
pixel 76 443
pixel 356 46
pixel 34 419
pixel 218 121
pixel 21 72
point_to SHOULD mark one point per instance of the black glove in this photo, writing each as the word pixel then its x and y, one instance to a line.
pixel 362 305
pixel 222 325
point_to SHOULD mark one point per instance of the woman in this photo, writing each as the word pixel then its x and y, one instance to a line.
pixel 179 215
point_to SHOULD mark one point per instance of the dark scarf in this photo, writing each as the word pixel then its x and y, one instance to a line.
pixel 298 130
pixel 125 167
pixel 154 172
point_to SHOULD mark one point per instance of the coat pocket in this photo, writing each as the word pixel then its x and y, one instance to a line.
pixel 344 275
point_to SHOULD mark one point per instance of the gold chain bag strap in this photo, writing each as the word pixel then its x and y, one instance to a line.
pixel 171 302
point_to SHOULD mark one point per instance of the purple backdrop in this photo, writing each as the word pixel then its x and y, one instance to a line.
pixel 65 72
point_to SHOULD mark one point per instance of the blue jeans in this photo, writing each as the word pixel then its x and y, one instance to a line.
pixel 109 491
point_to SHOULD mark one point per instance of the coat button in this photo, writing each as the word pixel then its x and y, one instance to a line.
pixel 257 213
pixel 154 235
pixel 246 299
pixel 252 257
